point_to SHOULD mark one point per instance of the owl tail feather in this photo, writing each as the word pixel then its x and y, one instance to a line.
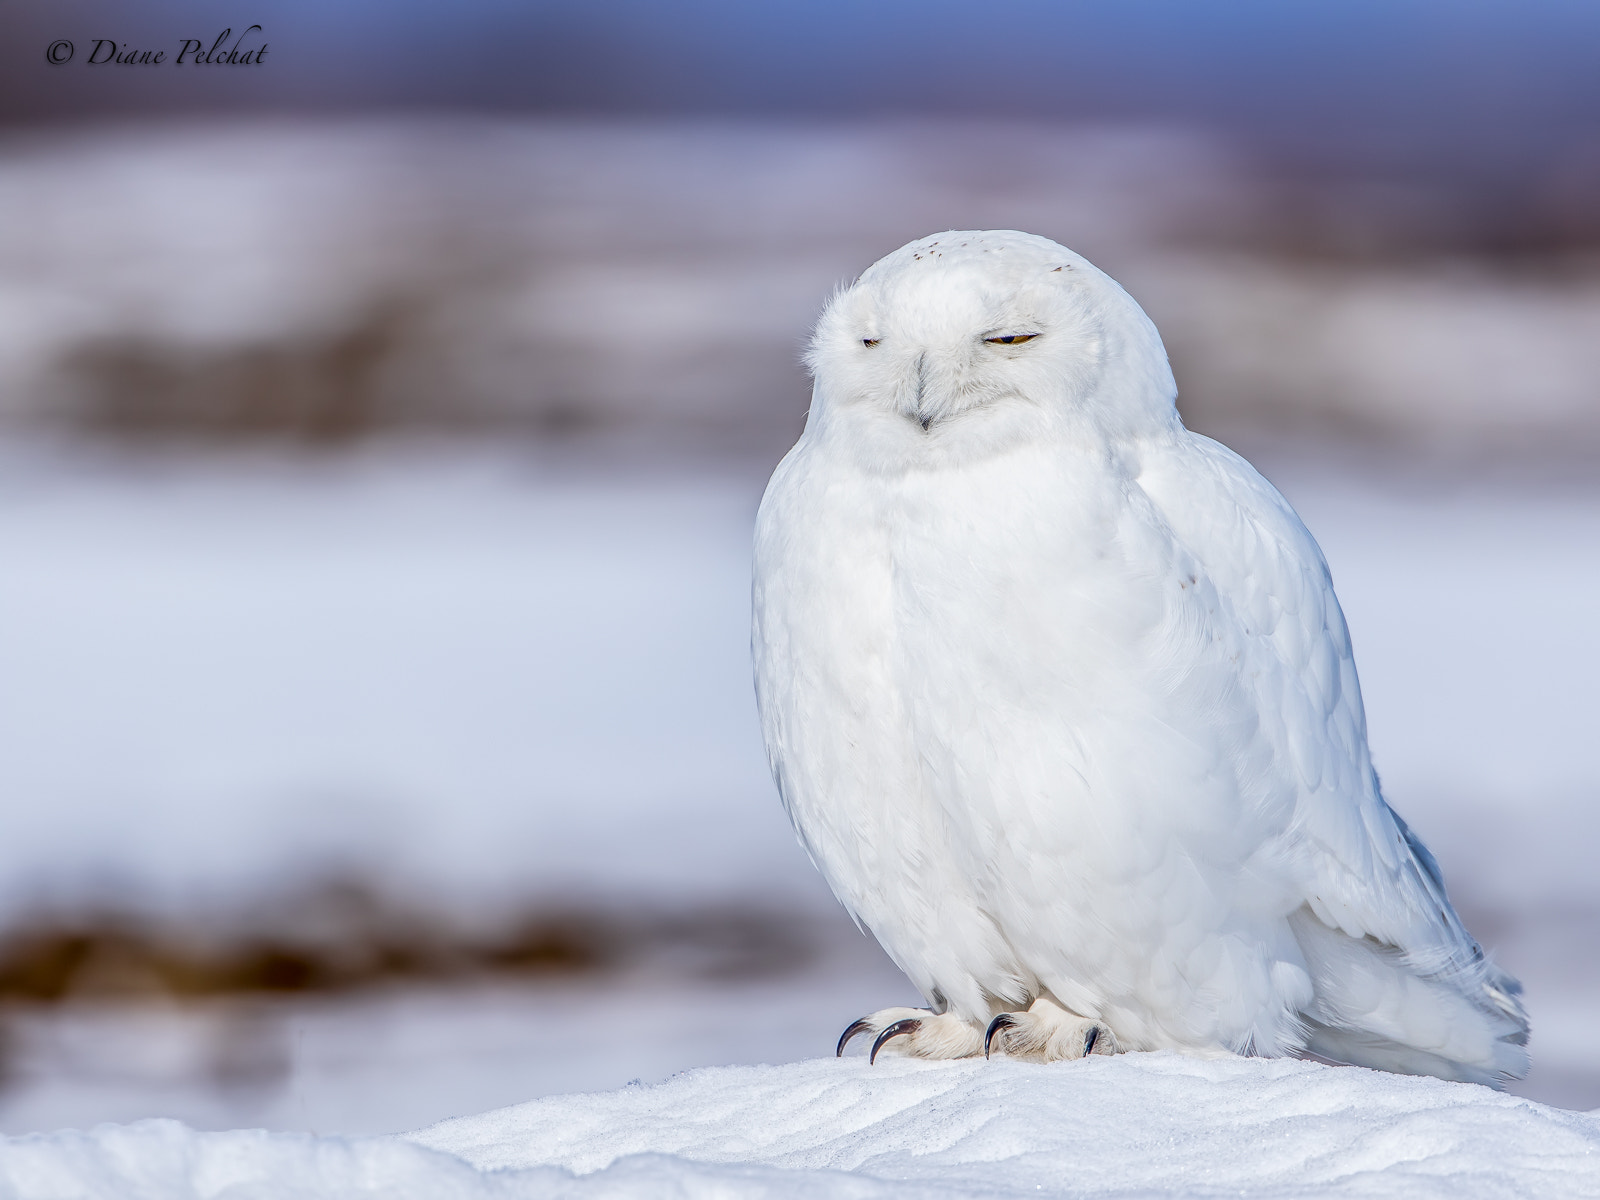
pixel 1373 1007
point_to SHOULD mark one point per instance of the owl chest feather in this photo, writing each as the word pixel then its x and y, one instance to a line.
pixel 966 609
pixel 953 673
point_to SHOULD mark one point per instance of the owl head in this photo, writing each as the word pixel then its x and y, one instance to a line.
pixel 961 343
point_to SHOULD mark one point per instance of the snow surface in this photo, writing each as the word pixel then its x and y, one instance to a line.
pixel 393 1059
pixel 1135 1125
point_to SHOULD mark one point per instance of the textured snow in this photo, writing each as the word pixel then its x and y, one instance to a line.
pixel 1137 1125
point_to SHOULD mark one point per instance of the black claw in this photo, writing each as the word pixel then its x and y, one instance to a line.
pixel 856 1027
pixel 1003 1021
pixel 909 1025
pixel 1090 1039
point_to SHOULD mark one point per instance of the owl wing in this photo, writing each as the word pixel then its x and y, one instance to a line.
pixel 1398 982
pixel 1271 605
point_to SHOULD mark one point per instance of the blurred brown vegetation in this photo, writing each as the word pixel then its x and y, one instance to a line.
pixel 341 936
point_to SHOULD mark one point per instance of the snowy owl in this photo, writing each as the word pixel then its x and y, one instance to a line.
pixel 1058 697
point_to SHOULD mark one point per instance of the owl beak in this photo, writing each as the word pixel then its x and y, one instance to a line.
pixel 924 417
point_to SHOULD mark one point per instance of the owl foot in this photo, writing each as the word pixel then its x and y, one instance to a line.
pixel 1047 1033
pixel 917 1032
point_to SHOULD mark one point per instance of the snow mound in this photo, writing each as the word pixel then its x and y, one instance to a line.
pixel 1135 1125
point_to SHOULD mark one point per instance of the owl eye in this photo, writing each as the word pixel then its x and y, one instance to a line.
pixel 1012 339
pixel 870 341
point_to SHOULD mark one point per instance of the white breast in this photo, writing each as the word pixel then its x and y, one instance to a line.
pixel 963 676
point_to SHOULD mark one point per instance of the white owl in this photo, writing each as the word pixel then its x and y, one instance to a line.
pixel 1060 700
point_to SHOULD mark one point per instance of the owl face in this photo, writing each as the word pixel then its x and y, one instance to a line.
pixel 972 339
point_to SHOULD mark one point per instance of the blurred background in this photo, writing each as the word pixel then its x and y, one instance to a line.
pixel 382 424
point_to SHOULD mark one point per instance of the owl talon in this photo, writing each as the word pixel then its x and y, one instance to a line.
pixel 1048 1033
pixel 1003 1021
pixel 924 1034
pixel 856 1027
pixel 898 1029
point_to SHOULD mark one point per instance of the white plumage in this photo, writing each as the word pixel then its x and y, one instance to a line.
pixel 1060 700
